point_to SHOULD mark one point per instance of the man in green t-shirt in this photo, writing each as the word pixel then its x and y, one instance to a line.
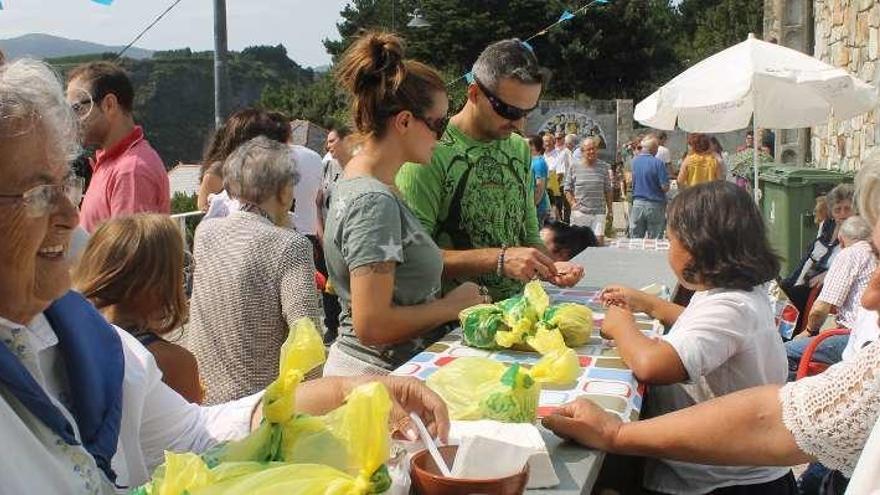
pixel 476 196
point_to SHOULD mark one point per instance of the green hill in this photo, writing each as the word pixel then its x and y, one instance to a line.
pixel 174 92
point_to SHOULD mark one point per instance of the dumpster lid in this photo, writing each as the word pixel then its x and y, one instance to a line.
pixel 791 175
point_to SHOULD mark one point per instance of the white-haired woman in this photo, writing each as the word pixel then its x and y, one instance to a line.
pixel 827 417
pixel 82 405
pixel 254 275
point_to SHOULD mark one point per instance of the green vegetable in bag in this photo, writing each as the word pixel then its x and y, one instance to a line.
pixel 480 323
pixel 574 321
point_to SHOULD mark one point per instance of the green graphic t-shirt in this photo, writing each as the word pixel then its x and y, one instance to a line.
pixel 475 195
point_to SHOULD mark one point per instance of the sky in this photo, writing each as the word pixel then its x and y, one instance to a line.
pixel 300 25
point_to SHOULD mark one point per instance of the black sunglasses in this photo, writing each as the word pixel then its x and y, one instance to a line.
pixel 504 110
pixel 437 125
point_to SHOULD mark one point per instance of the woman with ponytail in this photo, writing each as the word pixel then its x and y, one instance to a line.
pixel 385 268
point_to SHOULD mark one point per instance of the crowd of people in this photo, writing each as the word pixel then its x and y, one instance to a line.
pixel 412 217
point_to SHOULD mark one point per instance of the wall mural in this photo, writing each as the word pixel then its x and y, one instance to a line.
pixel 578 123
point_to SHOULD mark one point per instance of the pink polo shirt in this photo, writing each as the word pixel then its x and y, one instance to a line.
pixel 127 178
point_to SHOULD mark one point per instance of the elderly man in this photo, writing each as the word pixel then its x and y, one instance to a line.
pixel 650 184
pixel 128 175
pixel 588 189
pixel 844 284
pixel 82 405
pixel 476 197
pixel 810 271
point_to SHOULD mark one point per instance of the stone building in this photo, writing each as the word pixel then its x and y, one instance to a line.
pixel 843 33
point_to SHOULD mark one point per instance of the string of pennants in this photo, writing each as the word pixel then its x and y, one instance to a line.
pixel 565 16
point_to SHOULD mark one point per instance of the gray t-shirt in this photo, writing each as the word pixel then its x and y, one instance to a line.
pixel 589 185
pixel 368 223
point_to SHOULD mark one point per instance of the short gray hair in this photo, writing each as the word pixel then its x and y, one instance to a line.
pixel 855 229
pixel 507 59
pixel 590 139
pixel 571 139
pixel 32 99
pixel 841 192
pixel 867 194
pixel 650 142
pixel 259 169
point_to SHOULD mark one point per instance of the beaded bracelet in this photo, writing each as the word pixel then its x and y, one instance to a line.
pixel 499 269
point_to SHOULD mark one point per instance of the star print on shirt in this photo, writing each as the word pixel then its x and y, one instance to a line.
pixel 392 250
pixel 411 238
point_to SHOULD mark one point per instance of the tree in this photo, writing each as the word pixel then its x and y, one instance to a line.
pixel 320 102
pixel 710 26
pixel 619 50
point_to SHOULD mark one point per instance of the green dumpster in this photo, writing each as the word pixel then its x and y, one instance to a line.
pixel 789 196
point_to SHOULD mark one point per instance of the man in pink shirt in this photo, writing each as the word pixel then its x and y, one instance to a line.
pixel 127 175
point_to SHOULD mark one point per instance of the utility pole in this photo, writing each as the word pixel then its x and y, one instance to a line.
pixel 221 80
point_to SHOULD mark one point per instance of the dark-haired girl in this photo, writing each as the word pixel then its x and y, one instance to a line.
pixel 724 340
pixel 385 268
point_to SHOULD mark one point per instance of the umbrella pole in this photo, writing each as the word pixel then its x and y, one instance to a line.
pixel 755 155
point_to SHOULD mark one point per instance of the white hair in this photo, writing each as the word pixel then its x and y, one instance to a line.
pixel 571 139
pixel 855 228
pixel 867 196
pixel 259 169
pixel 32 99
pixel 650 142
pixel 590 139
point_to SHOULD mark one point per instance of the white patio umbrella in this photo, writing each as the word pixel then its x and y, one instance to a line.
pixel 780 87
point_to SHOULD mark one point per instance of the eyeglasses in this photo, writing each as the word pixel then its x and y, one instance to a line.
pixel 84 104
pixel 437 125
pixel 504 110
pixel 41 200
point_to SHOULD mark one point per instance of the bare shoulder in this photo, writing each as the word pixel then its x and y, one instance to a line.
pixel 179 367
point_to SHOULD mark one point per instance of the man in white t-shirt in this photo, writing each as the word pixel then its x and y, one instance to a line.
pixel 310 167
pixel 663 154
pixel 564 161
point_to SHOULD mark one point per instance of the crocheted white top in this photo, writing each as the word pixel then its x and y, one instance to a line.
pixel 832 414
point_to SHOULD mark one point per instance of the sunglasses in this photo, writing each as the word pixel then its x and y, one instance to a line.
pixel 437 125
pixel 504 110
pixel 41 200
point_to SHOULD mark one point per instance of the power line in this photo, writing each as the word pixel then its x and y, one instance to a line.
pixel 155 21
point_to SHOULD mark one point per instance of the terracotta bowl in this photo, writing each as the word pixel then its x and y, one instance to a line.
pixel 427 479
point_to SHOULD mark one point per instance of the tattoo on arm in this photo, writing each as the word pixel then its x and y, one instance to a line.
pixel 374 268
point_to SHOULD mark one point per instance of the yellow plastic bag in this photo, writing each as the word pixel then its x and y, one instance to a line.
pixel 481 388
pixel 301 352
pixel 354 438
pixel 188 474
pixel 342 452
pixel 574 322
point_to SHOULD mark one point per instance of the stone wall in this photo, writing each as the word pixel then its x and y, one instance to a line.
pixel 843 33
pixel 846 35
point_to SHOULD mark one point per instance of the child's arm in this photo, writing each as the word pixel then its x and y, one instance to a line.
pixel 651 360
pixel 638 301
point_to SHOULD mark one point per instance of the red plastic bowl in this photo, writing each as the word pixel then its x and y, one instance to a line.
pixel 427 479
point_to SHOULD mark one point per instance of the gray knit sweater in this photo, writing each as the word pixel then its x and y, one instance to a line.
pixel 252 280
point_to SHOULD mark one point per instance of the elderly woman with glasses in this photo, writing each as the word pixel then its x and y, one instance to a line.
pixel 254 275
pixel 82 405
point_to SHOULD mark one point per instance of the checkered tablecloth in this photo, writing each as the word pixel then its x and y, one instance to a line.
pixel 604 377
